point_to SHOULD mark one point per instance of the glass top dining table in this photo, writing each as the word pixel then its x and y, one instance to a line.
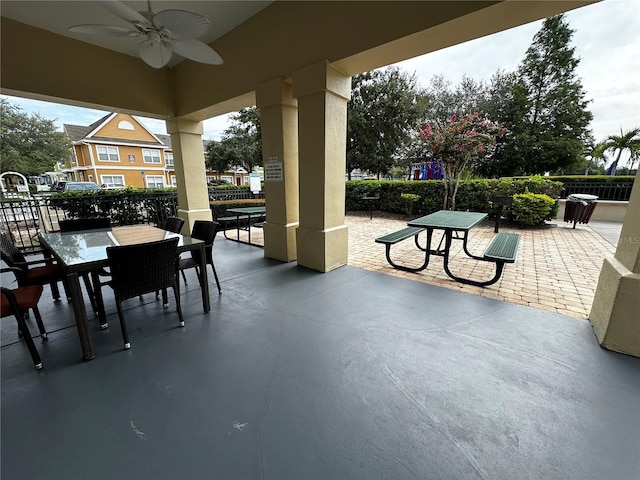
pixel 84 250
pixel 81 252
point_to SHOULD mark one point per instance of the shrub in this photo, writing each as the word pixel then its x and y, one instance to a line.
pixel 533 209
pixel 410 201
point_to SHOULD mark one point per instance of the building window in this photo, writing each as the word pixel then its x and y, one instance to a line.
pixel 227 178
pixel 151 156
pixel 154 181
pixel 168 159
pixel 112 181
pixel 125 125
pixel 108 154
pixel 173 181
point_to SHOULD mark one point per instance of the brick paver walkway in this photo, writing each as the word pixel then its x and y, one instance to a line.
pixel 557 267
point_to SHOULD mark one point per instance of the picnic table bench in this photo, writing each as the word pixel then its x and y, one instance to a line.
pixel 502 249
pixel 249 216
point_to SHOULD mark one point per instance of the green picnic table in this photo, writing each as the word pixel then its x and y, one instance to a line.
pixel 455 226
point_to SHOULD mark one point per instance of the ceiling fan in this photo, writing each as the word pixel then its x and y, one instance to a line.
pixel 162 33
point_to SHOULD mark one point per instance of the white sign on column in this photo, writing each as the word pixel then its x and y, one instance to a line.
pixel 273 170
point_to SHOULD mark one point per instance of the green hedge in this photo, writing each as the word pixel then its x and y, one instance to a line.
pixel 583 178
pixel 472 195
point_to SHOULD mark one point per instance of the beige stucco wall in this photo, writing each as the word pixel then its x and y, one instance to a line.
pixel 605 211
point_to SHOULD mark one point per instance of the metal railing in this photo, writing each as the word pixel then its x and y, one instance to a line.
pixel 620 191
pixel 25 219
pixel 225 193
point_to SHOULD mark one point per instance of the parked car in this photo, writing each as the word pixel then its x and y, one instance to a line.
pixel 216 182
pixel 58 186
pixel 111 186
pixel 80 186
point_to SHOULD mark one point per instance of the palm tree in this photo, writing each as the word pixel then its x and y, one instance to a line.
pixel 625 141
pixel 595 155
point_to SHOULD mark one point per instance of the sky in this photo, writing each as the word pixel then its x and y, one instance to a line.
pixel 606 40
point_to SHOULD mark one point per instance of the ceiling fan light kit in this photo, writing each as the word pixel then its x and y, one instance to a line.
pixel 162 33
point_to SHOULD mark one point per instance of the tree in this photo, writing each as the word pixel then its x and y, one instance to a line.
pixel 29 144
pixel 456 145
pixel 595 157
pixel 384 108
pixel 241 143
pixel 550 121
pixel 443 100
pixel 629 140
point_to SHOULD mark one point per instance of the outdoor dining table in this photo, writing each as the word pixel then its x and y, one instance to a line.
pixel 82 252
pixel 248 212
pixel 455 226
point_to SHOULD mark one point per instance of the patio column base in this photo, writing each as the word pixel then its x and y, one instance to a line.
pixel 190 216
pixel 282 241
pixel 614 313
pixel 323 250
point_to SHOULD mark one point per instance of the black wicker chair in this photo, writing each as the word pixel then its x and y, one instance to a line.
pixel 205 231
pixel 140 269
pixel 174 224
pixel 15 302
pixel 26 273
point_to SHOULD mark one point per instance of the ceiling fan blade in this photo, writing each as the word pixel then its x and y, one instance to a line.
pixel 154 53
pixel 123 11
pixel 181 24
pixel 196 50
pixel 106 30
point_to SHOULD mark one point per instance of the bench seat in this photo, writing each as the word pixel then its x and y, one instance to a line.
pixel 232 219
pixel 395 237
pixel 503 248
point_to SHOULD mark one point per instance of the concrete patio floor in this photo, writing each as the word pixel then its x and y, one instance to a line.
pixel 294 374
pixel 557 268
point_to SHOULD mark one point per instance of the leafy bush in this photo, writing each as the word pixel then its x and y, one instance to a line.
pixel 533 209
pixel 535 184
pixel 127 206
pixel 410 201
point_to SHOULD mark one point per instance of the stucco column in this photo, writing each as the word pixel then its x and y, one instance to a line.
pixel 615 313
pixel 279 123
pixel 188 156
pixel 322 92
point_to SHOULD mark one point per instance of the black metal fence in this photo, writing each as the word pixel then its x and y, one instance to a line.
pixel 603 190
pixel 24 219
pixel 226 193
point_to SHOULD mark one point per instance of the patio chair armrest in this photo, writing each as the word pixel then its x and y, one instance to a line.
pixel 14 270
pixel 39 261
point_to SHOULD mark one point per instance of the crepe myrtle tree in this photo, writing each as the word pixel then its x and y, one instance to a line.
pixel 456 145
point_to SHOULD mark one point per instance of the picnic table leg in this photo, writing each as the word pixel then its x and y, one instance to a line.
pixel 468 281
pixel 427 254
pixel 464 247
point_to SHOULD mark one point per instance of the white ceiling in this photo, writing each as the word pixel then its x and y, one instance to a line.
pixel 57 16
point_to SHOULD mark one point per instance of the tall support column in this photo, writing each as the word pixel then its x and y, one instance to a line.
pixel 188 155
pixel 322 237
pixel 615 313
pixel 279 123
